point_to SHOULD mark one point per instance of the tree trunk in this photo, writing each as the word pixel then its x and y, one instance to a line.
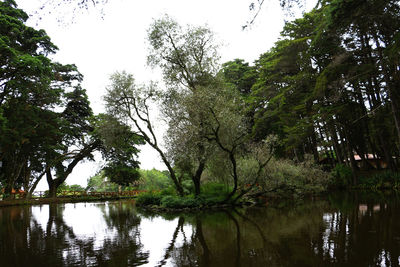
pixel 336 146
pixel 53 190
pixel 171 171
pixel 7 195
pixel 34 185
pixel 353 163
pixel 13 175
pixel 314 145
pixel 53 184
pixel 235 175
pixel 196 178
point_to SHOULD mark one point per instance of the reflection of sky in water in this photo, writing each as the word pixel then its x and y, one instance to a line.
pixel 88 223
pixel 86 220
pixel 332 221
pixel 328 245
pixel 156 236
pixel 41 214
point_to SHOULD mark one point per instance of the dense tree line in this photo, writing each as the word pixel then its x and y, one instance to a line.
pixel 330 86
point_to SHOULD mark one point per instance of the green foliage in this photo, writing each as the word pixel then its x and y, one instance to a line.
pixel 214 190
pixel 99 183
pixel 121 174
pixel 73 187
pixel 290 179
pixel 188 187
pixel 149 199
pixel 342 176
pixel 380 180
pixel 178 202
pixel 212 194
pixel 119 149
pixel 154 180
pixel 318 89
pixel 240 75
pixel 186 55
pixel 76 187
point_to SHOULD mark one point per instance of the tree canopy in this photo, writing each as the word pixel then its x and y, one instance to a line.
pixel 46 122
pixel 327 87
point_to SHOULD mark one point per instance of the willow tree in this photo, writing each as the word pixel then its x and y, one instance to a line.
pixel 188 59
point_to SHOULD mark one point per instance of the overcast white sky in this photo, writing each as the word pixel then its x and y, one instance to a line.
pixel 100 46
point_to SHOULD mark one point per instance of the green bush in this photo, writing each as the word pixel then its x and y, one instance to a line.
pixel 290 179
pixel 154 180
pixel 176 202
pixel 380 180
pixel 100 183
pixel 214 189
pixel 214 194
pixel 149 199
pixel 342 176
pixel 188 186
pixel 169 191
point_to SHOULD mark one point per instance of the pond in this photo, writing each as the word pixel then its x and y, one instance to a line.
pixel 340 230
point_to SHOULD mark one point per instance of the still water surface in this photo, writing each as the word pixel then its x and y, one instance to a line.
pixel 341 230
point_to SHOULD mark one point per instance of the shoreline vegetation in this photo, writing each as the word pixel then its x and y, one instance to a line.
pixel 285 186
pixel 189 204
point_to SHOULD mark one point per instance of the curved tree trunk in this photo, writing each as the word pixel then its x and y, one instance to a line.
pixel 197 177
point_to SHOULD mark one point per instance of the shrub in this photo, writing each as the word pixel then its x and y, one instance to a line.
pixel 148 199
pixel 294 179
pixel 215 194
pixel 176 202
pixel 342 176
pixel 169 191
pixel 188 186
pixel 214 189
pixel 380 180
pixel 154 180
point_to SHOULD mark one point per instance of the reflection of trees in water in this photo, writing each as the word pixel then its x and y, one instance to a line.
pixel 351 231
pixel 193 251
pixel 229 238
pixel 24 242
pixel 364 231
pixel 170 248
pixel 125 248
pixel 14 229
pixel 315 234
